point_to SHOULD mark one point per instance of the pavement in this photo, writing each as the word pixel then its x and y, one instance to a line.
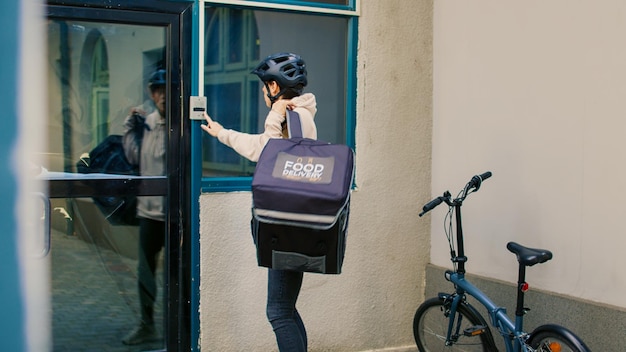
pixel 94 297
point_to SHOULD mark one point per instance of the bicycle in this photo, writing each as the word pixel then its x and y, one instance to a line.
pixel 449 322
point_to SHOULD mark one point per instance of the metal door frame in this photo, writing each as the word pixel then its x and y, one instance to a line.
pixel 176 17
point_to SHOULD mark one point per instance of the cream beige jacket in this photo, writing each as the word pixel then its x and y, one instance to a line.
pixel 250 145
pixel 151 160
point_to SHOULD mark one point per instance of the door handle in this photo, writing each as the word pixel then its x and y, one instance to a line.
pixel 45 220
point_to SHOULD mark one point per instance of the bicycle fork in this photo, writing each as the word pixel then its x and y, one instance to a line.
pixel 455 319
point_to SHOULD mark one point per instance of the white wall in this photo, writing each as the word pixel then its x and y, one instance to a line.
pixel 371 304
pixel 534 91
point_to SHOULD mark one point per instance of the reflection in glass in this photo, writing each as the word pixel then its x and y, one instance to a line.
pixel 235 42
pixel 336 2
pixel 97 73
pixel 231 53
pixel 94 280
pixel 331 2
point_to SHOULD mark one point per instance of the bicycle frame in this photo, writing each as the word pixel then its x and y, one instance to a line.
pixel 512 332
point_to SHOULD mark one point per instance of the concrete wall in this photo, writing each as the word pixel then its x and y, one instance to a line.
pixel 371 304
pixel 533 91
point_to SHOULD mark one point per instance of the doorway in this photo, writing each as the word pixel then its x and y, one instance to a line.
pixel 102 64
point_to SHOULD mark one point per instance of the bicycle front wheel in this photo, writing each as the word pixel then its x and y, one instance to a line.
pixel 553 338
pixel 430 326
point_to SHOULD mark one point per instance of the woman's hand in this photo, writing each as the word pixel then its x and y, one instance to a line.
pixel 211 127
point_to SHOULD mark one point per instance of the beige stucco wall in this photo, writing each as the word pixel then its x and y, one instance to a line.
pixel 371 304
pixel 34 272
pixel 534 91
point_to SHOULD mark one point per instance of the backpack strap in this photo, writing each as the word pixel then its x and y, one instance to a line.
pixel 294 127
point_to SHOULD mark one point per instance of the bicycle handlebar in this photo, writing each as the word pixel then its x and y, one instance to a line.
pixel 473 185
pixel 432 205
pixel 477 180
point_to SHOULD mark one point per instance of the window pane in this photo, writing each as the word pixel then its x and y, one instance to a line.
pixel 236 28
pixel 337 2
pixel 308 2
pixel 212 42
pixel 250 36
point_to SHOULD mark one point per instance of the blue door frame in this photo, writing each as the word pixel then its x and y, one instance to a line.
pixel 12 333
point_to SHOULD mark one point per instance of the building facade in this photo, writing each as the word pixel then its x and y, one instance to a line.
pixel 427 93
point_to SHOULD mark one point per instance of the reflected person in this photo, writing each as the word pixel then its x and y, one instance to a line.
pixel 149 153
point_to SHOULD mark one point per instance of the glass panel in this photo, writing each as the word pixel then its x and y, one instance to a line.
pixel 232 119
pixel 236 28
pixel 97 73
pixel 94 263
pixel 322 43
pixel 336 2
pixel 308 2
pixel 212 43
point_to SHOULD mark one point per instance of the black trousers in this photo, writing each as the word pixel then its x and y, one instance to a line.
pixel 151 241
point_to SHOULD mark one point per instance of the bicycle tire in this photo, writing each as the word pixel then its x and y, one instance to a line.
pixel 430 326
pixel 543 338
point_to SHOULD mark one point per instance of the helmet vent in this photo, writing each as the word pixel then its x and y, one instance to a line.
pixel 286 69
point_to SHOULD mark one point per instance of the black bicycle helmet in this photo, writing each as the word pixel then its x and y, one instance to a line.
pixel 287 69
pixel 158 78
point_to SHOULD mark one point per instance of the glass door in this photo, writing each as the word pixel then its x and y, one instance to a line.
pixel 117 244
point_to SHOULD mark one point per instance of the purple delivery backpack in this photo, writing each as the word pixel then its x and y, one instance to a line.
pixel 300 202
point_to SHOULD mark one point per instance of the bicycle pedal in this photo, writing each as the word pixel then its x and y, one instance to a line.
pixel 474 330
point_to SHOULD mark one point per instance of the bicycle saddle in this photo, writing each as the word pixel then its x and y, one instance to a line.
pixel 529 256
